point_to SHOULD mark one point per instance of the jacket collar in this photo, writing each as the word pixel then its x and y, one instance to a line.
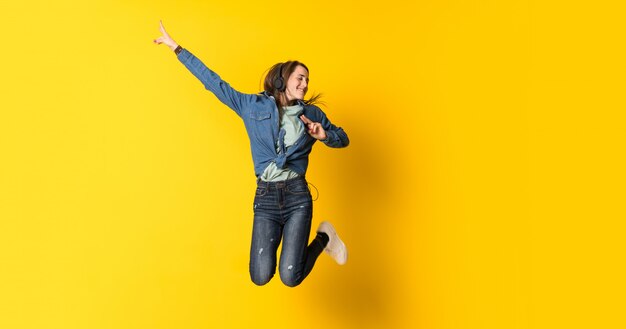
pixel 266 94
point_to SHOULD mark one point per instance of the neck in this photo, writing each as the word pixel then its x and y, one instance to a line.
pixel 283 101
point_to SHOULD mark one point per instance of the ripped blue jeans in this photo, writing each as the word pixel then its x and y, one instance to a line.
pixel 283 210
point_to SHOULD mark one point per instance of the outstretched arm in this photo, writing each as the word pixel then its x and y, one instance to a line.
pixel 232 98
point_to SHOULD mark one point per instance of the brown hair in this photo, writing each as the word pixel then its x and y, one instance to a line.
pixel 287 68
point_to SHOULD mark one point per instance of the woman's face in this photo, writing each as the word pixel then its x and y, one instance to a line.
pixel 297 84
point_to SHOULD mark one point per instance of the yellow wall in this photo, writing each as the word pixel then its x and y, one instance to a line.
pixel 126 188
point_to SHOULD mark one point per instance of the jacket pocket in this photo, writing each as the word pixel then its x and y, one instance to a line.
pixel 260 115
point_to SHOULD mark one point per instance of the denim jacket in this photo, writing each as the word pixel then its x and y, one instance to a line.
pixel 260 117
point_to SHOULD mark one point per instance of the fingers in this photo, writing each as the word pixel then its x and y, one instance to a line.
pixel 305 119
pixel 313 128
pixel 162 29
pixel 160 39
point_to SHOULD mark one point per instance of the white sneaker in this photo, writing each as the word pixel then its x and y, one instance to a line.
pixel 335 247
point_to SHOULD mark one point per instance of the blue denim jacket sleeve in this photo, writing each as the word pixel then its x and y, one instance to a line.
pixel 232 98
pixel 335 136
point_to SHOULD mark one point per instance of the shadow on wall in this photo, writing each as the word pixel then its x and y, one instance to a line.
pixel 366 291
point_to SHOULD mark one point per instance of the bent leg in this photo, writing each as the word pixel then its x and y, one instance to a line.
pixel 297 259
pixel 266 235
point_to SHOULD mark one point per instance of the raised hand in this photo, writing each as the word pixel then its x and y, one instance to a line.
pixel 314 129
pixel 165 38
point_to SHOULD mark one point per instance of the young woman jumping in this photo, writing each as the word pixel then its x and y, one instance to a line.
pixel 282 127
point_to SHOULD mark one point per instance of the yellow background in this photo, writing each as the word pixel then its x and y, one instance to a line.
pixel 483 187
